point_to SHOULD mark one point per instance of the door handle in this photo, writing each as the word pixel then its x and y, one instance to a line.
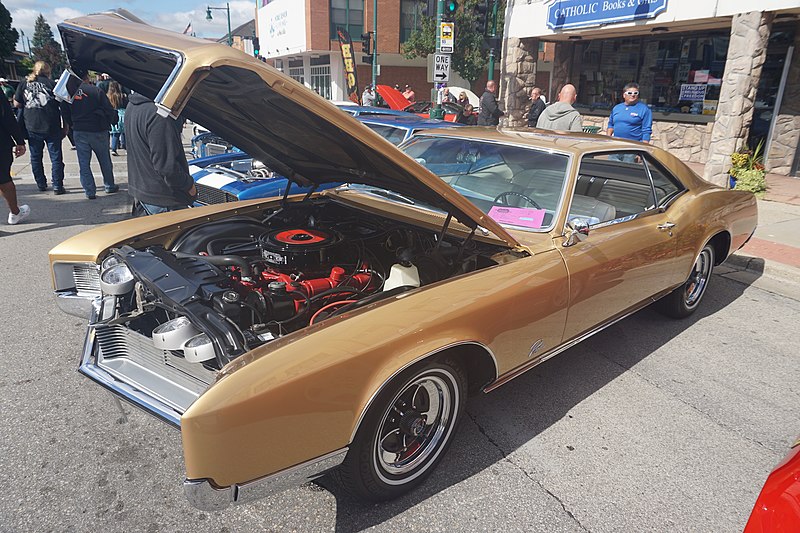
pixel 666 226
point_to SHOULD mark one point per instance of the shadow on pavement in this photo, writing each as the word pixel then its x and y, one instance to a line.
pixel 71 209
pixel 498 423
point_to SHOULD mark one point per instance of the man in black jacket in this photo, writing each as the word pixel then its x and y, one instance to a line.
pixel 158 173
pixel 537 106
pixel 490 113
pixel 10 137
pixel 92 117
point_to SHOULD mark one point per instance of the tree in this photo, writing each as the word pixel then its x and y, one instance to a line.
pixel 45 48
pixel 470 53
pixel 8 36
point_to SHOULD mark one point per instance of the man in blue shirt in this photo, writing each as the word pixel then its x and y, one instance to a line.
pixel 631 119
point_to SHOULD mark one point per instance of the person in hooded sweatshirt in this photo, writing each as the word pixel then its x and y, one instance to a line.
pixel 561 115
pixel 158 173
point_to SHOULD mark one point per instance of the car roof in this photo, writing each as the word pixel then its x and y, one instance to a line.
pixel 409 122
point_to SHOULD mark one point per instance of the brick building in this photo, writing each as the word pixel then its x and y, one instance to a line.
pixel 299 38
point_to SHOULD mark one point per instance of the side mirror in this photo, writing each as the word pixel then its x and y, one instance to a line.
pixel 577 229
pixel 67 86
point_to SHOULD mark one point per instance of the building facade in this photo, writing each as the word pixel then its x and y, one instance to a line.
pixel 717 75
pixel 299 38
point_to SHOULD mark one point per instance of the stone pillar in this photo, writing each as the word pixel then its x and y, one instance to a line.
pixel 746 54
pixel 518 73
pixel 562 64
pixel 786 135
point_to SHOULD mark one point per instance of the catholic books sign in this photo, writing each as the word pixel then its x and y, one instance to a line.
pixel 566 14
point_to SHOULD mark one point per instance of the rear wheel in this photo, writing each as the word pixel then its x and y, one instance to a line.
pixel 405 432
pixel 683 301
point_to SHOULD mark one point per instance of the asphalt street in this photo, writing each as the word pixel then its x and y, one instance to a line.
pixel 651 425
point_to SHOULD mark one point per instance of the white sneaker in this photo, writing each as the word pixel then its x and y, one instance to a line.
pixel 24 211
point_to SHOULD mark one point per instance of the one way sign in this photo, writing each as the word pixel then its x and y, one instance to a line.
pixel 441 68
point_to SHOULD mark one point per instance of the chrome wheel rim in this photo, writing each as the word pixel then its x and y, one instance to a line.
pixel 415 426
pixel 698 278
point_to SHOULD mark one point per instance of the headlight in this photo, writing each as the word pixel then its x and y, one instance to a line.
pixel 172 334
pixel 198 349
pixel 110 261
pixel 117 279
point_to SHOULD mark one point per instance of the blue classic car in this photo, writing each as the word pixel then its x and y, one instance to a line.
pixel 233 176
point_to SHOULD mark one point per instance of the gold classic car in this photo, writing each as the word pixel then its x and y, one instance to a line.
pixel 342 330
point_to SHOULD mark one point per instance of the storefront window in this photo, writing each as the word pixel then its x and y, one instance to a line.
pixel 781 38
pixel 296 70
pixel 410 18
pixel 676 73
pixel 321 76
pixel 347 14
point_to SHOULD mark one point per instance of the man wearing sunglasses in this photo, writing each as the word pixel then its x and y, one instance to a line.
pixel 631 119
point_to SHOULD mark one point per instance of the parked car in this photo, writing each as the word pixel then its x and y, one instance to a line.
pixel 234 175
pixel 363 110
pixel 777 508
pixel 344 329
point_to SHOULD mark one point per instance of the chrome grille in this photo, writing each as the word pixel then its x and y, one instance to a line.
pixel 119 341
pixel 87 279
pixel 211 195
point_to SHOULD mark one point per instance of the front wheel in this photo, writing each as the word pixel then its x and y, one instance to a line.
pixel 683 301
pixel 405 432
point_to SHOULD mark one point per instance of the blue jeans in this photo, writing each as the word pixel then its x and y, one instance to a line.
pixel 37 142
pixel 117 141
pixel 87 142
pixel 151 209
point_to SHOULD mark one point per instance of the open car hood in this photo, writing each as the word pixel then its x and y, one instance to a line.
pixel 260 110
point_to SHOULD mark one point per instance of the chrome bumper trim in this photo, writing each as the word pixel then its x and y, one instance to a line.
pixel 73 304
pixel 205 496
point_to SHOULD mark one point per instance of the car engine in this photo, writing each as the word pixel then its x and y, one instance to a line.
pixel 225 287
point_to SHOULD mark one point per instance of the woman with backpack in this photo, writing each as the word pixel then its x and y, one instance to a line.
pixel 119 101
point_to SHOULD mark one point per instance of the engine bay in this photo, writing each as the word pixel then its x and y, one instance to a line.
pixel 225 287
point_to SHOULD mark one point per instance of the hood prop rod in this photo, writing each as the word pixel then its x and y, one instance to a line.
pixel 444 230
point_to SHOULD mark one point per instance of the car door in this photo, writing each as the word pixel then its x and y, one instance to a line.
pixel 629 253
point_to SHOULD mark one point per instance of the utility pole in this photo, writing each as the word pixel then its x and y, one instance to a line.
pixel 492 39
pixel 436 106
pixel 374 43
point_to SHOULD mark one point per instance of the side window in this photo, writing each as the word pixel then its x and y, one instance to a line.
pixel 611 186
pixel 666 185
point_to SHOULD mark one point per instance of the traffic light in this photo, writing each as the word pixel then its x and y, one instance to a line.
pixel 256 47
pixel 481 17
pixel 366 43
pixel 450 8
pixel 366 59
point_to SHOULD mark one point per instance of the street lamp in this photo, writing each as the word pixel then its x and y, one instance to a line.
pixel 226 8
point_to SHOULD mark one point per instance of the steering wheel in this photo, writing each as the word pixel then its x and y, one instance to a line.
pixel 502 198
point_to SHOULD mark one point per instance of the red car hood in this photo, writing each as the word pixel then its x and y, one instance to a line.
pixel 393 97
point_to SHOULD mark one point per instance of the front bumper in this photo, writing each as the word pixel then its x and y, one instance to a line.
pixel 205 496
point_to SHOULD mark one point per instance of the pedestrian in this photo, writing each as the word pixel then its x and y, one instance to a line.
pixel 104 82
pixel 467 116
pixel 447 97
pixel 490 113
pixel 561 115
pixel 92 117
pixel 631 119
pixel 537 106
pixel 11 140
pixel 46 121
pixel 397 87
pixel 158 174
pixel 409 94
pixel 368 96
pixel 462 99
pixel 119 101
pixel 8 90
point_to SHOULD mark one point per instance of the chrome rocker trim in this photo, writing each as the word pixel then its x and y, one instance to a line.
pixel 203 495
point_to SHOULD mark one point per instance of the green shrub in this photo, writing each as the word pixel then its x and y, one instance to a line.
pixel 751 180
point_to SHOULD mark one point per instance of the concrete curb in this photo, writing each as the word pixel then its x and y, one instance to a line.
pixel 762 273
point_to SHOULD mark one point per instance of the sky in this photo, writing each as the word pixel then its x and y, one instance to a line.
pixel 173 15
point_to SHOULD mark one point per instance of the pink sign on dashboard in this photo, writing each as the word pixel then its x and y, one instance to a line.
pixel 527 217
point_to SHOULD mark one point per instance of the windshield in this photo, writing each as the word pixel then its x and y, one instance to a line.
pixel 390 133
pixel 516 186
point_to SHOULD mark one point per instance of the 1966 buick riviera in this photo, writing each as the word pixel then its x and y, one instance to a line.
pixel 343 329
